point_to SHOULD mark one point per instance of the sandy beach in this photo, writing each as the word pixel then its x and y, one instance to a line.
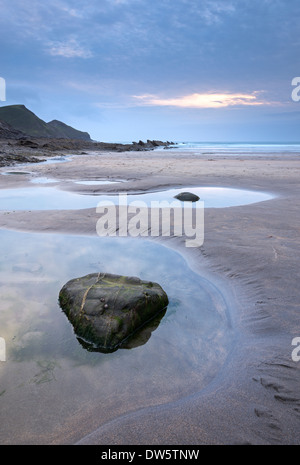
pixel 251 253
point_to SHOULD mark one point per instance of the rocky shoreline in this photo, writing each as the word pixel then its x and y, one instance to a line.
pixel 18 150
pixel 17 146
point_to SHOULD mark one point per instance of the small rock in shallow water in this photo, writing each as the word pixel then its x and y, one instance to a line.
pixel 187 197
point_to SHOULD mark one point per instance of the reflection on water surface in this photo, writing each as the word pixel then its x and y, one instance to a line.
pixel 50 198
pixel 52 379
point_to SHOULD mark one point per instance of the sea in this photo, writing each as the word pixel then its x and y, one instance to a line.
pixel 237 148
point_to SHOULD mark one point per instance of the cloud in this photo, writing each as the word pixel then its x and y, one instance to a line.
pixel 68 49
pixel 207 100
pixel 75 13
pixel 214 11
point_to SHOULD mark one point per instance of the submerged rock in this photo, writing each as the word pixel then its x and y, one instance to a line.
pixel 187 197
pixel 105 310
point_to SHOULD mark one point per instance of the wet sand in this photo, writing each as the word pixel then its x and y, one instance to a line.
pixel 251 253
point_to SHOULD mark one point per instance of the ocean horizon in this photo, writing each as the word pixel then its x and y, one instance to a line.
pixel 238 147
pixel 229 147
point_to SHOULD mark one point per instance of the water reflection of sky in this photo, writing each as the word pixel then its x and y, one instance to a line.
pixel 87 182
pixel 51 198
pixel 52 376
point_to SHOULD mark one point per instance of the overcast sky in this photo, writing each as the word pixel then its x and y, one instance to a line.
pixel 123 70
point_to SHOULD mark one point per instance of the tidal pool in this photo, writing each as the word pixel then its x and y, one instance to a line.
pixel 56 159
pixel 99 182
pixel 43 180
pixel 51 198
pixel 46 180
pixel 49 382
pixel 88 182
pixel 213 197
pixel 14 173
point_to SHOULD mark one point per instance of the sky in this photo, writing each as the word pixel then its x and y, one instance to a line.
pixel 177 70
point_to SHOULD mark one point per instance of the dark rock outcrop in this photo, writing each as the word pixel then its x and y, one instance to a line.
pixel 8 132
pixel 26 142
pixel 11 159
pixel 62 130
pixel 106 310
pixel 150 144
pixel 187 197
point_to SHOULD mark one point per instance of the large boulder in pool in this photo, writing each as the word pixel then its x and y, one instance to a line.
pixel 106 309
pixel 187 197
